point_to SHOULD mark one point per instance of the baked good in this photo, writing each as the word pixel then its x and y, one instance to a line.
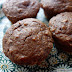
pixel 27 42
pixel 17 10
pixel 54 7
pixel 61 28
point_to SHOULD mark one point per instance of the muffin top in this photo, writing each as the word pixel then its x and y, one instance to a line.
pixel 20 9
pixel 57 5
pixel 27 42
pixel 61 27
pixel 54 7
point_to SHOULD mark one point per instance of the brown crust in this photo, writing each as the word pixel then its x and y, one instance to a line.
pixel 17 10
pixel 54 7
pixel 27 42
pixel 61 27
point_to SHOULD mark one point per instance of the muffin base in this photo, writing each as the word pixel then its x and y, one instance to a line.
pixel 61 47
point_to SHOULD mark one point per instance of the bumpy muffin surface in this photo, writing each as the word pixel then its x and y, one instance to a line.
pixel 61 27
pixel 54 7
pixel 27 42
pixel 17 10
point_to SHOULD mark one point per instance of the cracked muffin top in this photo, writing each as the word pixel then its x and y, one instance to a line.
pixel 27 42
pixel 61 27
pixel 17 10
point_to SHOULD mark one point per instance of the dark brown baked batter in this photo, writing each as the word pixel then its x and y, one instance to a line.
pixel 17 10
pixel 61 27
pixel 27 42
pixel 54 7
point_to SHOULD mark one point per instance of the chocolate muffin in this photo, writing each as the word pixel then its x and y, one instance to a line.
pixel 17 10
pixel 27 42
pixel 54 7
pixel 61 28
